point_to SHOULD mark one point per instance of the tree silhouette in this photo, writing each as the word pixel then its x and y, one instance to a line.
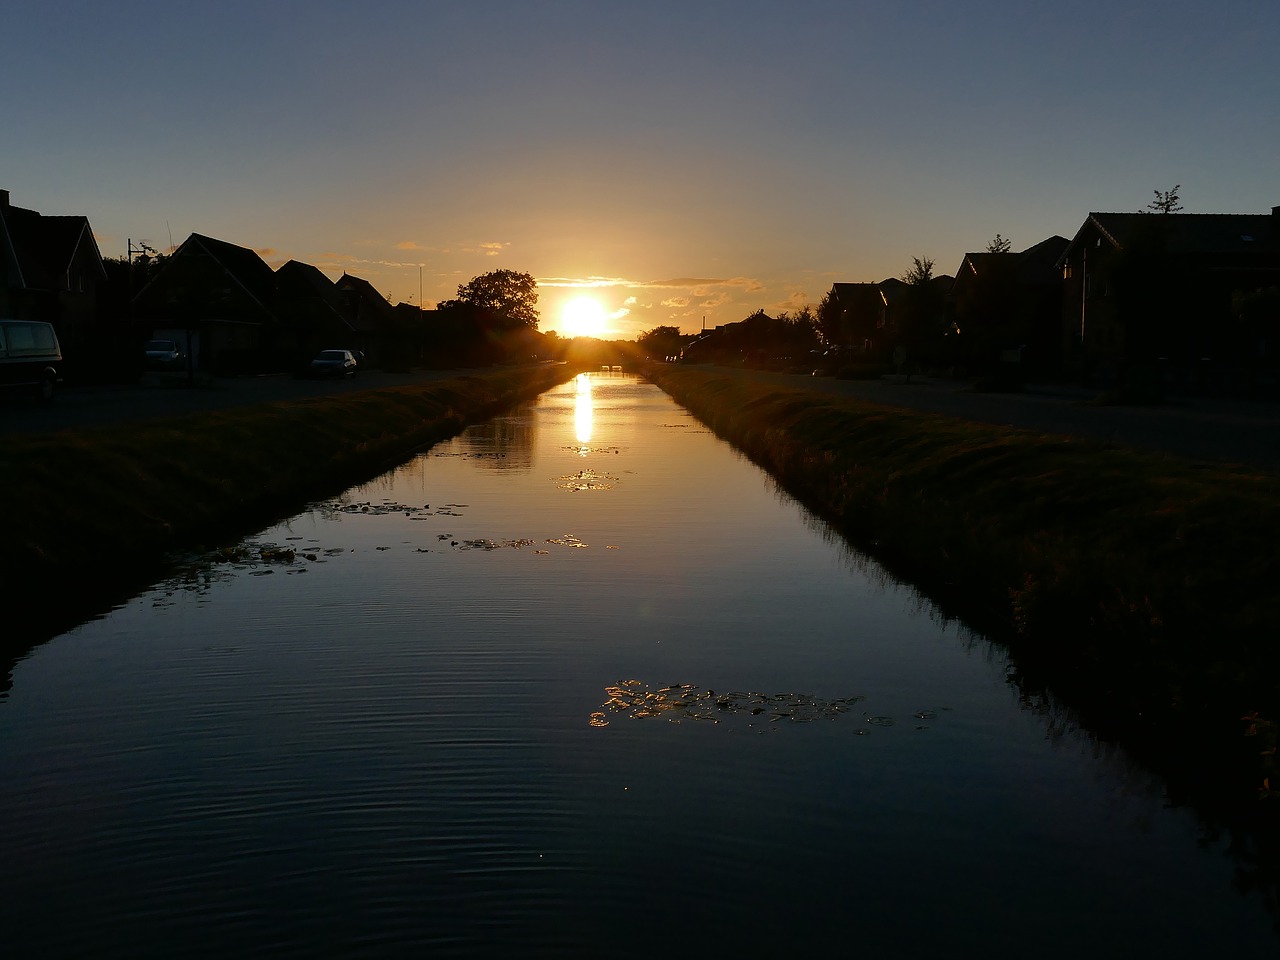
pixel 919 317
pixel 510 297
pixel 663 341
pixel 1166 201
pixel 999 245
pixel 921 272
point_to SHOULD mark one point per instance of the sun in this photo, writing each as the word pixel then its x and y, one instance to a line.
pixel 582 316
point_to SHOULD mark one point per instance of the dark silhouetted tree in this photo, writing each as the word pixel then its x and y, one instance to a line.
pixel 919 317
pixel 828 322
pixel 510 298
pixel 663 341
pixel 125 277
pixel 921 272
pixel 1166 201
pixel 999 245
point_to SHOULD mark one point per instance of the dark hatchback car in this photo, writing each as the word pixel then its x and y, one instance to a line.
pixel 30 357
pixel 163 354
pixel 334 363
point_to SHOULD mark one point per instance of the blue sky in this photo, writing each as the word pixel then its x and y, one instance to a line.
pixel 687 160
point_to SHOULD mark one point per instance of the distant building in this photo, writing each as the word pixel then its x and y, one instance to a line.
pixel 869 320
pixel 1007 307
pixel 853 316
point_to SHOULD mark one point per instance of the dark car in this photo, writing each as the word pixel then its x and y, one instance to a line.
pixel 334 363
pixel 30 357
pixel 162 354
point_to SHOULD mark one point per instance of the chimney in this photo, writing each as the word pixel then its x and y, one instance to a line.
pixel 4 199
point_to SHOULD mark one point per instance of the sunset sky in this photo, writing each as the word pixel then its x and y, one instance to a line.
pixel 681 161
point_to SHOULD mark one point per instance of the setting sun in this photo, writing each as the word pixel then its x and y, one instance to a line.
pixel 582 316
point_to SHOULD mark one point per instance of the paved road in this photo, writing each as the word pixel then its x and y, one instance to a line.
pixel 1204 428
pixel 151 398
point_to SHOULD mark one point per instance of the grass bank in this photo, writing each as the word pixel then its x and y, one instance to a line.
pixel 1142 588
pixel 94 512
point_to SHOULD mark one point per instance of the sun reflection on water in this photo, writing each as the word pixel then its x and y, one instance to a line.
pixel 582 413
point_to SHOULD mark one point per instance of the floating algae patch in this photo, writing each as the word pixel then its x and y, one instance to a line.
pixel 369 508
pixel 586 480
pixel 485 544
pixel 635 700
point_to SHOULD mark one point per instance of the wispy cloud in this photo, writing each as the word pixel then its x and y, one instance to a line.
pixel 747 283
pixel 585 282
pixel 346 259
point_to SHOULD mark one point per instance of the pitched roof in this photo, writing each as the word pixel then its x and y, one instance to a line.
pixel 245 268
pixel 1039 263
pixel 1036 264
pixel 297 281
pixel 1199 233
pixel 306 278
pixel 851 296
pixel 244 265
pixel 366 308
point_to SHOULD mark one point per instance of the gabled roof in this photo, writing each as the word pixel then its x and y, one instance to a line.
pixel 1036 264
pixel 365 308
pixel 43 248
pixel 981 262
pixel 1189 233
pixel 298 282
pixel 852 296
pixel 890 288
pixel 245 268
pixel 1039 263
pixel 296 276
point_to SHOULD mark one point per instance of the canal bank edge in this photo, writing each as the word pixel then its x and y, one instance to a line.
pixel 94 514
pixel 1138 587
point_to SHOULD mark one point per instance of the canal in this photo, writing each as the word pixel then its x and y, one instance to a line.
pixel 581 681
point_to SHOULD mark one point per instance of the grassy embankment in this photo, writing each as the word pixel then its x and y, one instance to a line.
pixel 93 512
pixel 1141 587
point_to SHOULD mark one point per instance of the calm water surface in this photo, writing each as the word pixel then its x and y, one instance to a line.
pixel 578 683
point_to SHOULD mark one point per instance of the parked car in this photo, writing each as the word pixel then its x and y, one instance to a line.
pixel 30 357
pixel 163 354
pixel 334 363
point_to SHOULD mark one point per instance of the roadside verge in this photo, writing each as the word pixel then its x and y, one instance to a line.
pixel 93 513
